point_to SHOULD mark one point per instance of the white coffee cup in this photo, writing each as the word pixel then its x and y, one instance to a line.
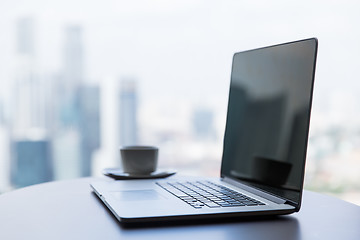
pixel 139 159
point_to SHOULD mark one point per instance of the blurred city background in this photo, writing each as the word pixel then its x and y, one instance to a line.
pixel 81 78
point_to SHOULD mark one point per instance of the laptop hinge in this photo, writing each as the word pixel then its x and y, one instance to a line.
pixel 255 191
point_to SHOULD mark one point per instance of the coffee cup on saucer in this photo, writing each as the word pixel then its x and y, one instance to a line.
pixel 139 160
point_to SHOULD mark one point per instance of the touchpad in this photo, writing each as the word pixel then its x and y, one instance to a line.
pixel 136 195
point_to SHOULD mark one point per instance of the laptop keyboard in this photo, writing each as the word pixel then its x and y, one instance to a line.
pixel 201 194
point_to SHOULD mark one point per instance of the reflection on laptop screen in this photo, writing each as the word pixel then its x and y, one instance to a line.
pixel 268 117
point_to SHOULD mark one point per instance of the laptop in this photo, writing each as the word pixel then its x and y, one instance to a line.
pixel 264 147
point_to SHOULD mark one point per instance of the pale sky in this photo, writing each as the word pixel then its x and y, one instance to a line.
pixel 183 49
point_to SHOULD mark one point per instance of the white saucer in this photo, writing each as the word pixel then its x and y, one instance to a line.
pixel 118 174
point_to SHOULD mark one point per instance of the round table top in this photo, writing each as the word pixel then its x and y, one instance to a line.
pixel 70 210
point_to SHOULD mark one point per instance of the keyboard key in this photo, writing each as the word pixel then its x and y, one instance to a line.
pixel 207 194
pixel 225 205
pixel 237 204
pixel 212 204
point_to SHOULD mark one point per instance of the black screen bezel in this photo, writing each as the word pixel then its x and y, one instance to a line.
pixel 264 188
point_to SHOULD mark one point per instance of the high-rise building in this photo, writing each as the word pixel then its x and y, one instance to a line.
pixel 31 100
pixel 31 163
pixel 4 152
pixel 73 58
pixel 67 154
pixel 203 124
pixel 72 76
pixel 79 111
pixel 4 158
pixel 2 113
pixel 128 113
pixel 89 124
pixel 29 94
pixel 31 152
pixel 25 37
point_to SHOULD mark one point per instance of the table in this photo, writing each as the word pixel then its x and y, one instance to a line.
pixel 70 210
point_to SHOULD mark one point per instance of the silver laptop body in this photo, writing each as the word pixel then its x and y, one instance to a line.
pixel 264 147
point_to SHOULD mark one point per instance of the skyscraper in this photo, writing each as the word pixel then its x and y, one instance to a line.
pixel 2 113
pixel 73 58
pixel 67 154
pixel 4 158
pixel 89 124
pixel 79 111
pixel 128 113
pixel 72 76
pixel 30 89
pixel 31 152
pixel 203 124
pixel 31 162
pixel 25 37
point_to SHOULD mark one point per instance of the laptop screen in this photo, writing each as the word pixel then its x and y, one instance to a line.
pixel 268 117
